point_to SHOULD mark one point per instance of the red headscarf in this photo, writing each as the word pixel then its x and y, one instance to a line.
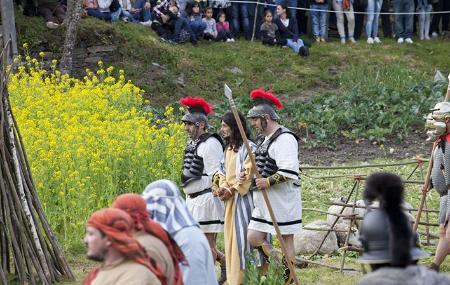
pixel 136 207
pixel 117 225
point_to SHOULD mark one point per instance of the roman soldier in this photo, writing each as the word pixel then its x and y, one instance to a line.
pixel 202 157
pixel 278 163
pixel 439 122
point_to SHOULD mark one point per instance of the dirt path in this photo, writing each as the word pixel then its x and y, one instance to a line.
pixel 348 150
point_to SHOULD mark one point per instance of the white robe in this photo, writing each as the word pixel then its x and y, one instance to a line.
pixel 285 198
pixel 206 209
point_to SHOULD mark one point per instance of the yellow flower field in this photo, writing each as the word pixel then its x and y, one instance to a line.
pixel 89 140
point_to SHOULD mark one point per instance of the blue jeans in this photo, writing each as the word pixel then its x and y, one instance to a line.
pixel 404 23
pixel 127 14
pixel 289 3
pixel 145 14
pixel 106 16
pixel 240 15
pixel 295 46
pixel 373 10
pixel 319 20
pixel 197 27
pixel 183 24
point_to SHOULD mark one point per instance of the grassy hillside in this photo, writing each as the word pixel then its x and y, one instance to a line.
pixel 354 91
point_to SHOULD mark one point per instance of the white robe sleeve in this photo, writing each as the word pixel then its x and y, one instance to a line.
pixel 284 150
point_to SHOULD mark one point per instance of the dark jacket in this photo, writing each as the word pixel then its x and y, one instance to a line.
pixel 289 32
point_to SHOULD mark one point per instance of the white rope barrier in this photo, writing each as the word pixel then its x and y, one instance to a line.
pixel 333 11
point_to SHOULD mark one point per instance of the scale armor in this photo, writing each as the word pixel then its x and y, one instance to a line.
pixel 266 165
pixel 193 165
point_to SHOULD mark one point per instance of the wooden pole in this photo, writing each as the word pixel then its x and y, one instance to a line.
pixel 254 20
pixel 291 267
pixel 425 189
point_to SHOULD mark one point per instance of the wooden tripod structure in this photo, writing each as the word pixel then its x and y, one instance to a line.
pixel 29 250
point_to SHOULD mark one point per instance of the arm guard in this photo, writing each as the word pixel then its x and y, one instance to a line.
pixel 215 179
pixel 276 179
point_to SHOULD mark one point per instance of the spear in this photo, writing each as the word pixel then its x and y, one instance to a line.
pixel 229 95
pixel 425 189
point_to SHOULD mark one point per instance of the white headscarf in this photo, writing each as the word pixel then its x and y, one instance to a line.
pixel 166 207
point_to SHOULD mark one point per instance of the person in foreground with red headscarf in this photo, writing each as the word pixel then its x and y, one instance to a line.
pixel 156 241
pixel 109 240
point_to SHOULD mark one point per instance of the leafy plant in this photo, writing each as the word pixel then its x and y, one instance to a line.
pixel 373 105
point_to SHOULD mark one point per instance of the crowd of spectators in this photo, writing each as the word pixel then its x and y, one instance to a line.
pixel 274 22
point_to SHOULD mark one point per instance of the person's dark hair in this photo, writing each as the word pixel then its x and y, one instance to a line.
pixel 220 14
pixel 285 8
pixel 266 12
pixel 235 140
pixel 190 5
pixel 208 9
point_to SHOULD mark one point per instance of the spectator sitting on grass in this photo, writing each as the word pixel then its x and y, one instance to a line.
pixel 106 10
pixel 223 29
pixel 288 30
pixel 136 11
pixel 53 11
pixel 170 26
pixel 269 30
pixel 194 18
pixel 210 33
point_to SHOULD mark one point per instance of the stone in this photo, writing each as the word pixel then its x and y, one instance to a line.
pixel 307 241
pixel 235 70
pixel 97 49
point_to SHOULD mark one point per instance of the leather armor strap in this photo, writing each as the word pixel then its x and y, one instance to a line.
pixel 196 194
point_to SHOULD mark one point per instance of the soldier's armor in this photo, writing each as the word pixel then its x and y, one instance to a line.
pixel 193 163
pixel 437 172
pixel 266 165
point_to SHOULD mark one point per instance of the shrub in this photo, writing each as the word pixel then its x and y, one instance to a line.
pixel 88 141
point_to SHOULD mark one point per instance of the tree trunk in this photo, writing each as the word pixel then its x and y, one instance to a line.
pixel 9 27
pixel 72 23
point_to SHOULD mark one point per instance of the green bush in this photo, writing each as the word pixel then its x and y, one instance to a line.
pixel 387 103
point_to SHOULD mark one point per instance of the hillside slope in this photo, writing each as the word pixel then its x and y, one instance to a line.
pixel 322 93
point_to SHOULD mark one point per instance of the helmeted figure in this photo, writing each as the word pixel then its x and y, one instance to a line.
pixel 437 123
pixel 389 244
pixel 277 161
pixel 201 160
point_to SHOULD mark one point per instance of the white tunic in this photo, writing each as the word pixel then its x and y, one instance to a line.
pixel 285 198
pixel 200 268
pixel 206 209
